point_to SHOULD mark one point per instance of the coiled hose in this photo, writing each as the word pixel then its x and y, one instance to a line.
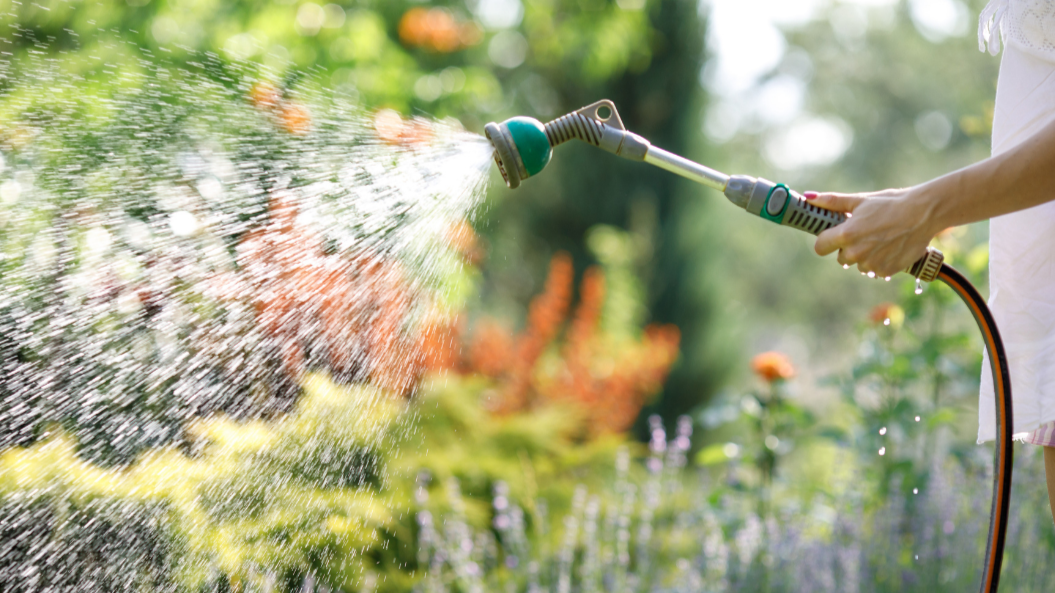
pixel 994 547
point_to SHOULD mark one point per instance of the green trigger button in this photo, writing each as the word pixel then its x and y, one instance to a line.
pixel 777 200
pixel 776 203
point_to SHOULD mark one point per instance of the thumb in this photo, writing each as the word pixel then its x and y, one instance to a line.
pixel 833 201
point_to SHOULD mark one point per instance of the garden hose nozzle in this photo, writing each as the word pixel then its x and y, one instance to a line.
pixel 524 146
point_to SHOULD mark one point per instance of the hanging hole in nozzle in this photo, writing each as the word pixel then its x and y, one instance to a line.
pixel 603 111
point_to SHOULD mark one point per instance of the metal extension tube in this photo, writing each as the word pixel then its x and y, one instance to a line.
pixel 600 125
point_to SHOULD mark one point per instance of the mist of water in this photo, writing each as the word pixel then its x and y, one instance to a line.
pixel 179 241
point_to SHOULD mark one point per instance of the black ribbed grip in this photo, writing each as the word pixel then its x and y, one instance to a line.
pixel 804 216
pixel 574 126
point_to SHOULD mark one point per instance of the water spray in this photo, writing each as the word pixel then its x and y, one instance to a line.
pixel 524 146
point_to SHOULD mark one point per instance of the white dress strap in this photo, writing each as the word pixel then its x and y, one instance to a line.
pixel 989 22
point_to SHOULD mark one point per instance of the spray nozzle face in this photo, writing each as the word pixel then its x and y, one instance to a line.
pixel 522 148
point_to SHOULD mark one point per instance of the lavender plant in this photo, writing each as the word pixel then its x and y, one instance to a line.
pixel 674 529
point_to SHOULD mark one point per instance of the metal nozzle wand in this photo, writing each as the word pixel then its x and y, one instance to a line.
pixel 524 146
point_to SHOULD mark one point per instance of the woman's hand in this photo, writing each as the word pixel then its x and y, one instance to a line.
pixel 888 230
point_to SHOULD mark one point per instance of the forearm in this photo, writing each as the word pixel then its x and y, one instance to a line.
pixel 1020 178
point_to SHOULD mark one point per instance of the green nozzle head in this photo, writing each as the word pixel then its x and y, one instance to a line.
pixel 521 148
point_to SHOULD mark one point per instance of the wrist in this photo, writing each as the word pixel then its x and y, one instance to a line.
pixel 934 211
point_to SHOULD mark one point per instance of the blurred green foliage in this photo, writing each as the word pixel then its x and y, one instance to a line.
pixel 445 64
pixel 907 398
pixel 234 509
pixel 912 109
pixel 326 491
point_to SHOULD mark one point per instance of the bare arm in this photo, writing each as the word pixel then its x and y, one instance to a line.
pixel 890 229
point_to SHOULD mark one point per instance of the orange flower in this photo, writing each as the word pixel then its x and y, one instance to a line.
pixel 880 312
pixel 416 131
pixel 887 314
pixel 587 314
pixel 353 322
pixel 413 27
pixel 608 381
pixel 437 30
pixel 439 342
pixel 772 366
pixel 296 118
pixel 393 129
pixel 443 34
pixel 491 350
pixel 470 34
pixel 462 239
pixel 545 314
pixel 612 398
pixel 548 310
pixel 265 95
pixel 388 125
pixel 291 116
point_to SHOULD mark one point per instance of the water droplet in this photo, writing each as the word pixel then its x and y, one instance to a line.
pixel 98 240
pixel 887 278
pixel 871 274
pixel 886 321
pixel 211 189
pixel 882 450
pixel 917 418
pixel 846 266
pixel 882 430
pixel 9 192
pixel 915 490
pixel 919 286
pixel 183 223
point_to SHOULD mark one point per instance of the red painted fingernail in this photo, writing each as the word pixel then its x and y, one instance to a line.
pixel 810 195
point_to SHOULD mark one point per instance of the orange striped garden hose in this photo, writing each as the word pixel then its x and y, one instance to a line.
pixel 994 548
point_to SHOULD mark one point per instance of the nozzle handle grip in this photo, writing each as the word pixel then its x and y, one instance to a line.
pixel 801 214
pixel 778 203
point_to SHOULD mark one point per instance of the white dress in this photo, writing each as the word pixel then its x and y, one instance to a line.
pixel 1022 244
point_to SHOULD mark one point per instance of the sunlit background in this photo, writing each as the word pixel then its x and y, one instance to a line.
pixel 747 42
pixel 263 328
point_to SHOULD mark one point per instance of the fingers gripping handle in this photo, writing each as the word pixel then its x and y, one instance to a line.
pixel 778 203
pixel 796 212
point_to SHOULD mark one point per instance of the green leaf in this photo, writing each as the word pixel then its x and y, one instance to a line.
pixel 712 455
pixel 946 416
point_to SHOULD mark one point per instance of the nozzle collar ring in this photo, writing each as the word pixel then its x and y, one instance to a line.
pixel 506 156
